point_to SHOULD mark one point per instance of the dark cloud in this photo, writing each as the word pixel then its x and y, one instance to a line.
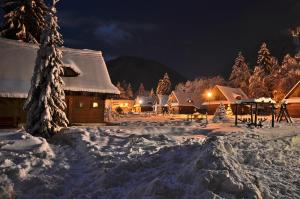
pixel 112 34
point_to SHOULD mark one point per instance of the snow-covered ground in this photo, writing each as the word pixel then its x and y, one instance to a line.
pixel 153 158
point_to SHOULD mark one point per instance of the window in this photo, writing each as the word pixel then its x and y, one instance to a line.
pixel 95 105
pixel 70 71
pixel 81 104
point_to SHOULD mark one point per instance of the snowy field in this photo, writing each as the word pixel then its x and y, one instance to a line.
pixel 147 157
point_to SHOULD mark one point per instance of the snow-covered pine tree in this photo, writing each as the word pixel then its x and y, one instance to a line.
pixel 24 19
pixel 141 91
pixel 164 86
pixel 122 91
pixel 220 114
pixel 129 91
pixel 264 59
pixel 288 75
pixel 45 103
pixel 256 83
pixel 229 111
pixel 153 95
pixel 240 74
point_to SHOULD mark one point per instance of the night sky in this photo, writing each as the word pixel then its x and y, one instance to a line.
pixel 196 38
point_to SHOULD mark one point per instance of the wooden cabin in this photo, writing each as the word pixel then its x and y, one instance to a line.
pixel 292 99
pixel 143 104
pixel 87 83
pixel 225 95
pixel 125 104
pixel 182 102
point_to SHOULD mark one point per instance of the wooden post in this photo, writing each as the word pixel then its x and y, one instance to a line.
pixel 251 112
pixel 273 115
pixel 256 112
pixel 236 113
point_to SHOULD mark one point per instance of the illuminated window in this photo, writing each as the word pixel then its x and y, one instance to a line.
pixel 95 105
pixel 80 105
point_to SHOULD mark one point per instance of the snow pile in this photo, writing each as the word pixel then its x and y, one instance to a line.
pixel 21 155
pixel 151 162
pixel 194 123
pixel 187 171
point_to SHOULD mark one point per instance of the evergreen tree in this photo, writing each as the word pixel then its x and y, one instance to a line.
pixel 45 104
pixel 220 114
pixel 164 86
pixel 24 20
pixel 229 111
pixel 141 91
pixel 264 59
pixel 240 74
pixel 122 91
pixel 256 83
pixel 287 76
pixel 129 91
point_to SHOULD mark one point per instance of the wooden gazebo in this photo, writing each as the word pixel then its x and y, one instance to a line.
pixel 254 103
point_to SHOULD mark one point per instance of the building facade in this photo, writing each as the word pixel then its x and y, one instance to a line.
pixel 87 83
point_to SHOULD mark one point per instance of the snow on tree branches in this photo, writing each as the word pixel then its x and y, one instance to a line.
pixel 24 19
pixel 129 92
pixel 122 91
pixel 142 91
pixel 256 83
pixel 264 59
pixel 45 104
pixel 240 74
pixel 164 86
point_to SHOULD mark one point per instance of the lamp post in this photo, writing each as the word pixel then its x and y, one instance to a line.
pixel 209 95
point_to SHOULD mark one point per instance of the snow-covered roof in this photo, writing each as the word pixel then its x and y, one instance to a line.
pixel 216 102
pixel 292 90
pixel 257 100
pixel 291 100
pixel 18 60
pixel 144 101
pixel 183 98
pixel 232 94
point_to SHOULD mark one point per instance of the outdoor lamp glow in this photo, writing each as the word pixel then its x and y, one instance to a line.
pixel 209 94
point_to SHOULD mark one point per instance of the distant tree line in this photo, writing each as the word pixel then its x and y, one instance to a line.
pixel 268 78
pixel 127 92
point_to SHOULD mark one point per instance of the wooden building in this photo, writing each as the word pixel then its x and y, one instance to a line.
pixel 226 95
pixel 87 83
pixel 292 99
pixel 183 102
pixel 143 104
pixel 125 104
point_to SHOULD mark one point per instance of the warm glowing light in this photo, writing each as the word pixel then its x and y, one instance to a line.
pixel 209 94
pixel 140 101
pixel 95 105
pixel 126 104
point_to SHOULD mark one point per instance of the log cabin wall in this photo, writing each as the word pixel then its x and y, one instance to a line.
pixel 294 110
pixel 182 109
pixel 85 109
pixel 80 109
pixel 11 112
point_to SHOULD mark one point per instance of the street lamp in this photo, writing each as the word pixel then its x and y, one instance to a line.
pixel 209 95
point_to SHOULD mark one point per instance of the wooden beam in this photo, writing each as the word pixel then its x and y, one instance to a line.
pixel 273 115
pixel 251 112
pixel 256 112
pixel 236 114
